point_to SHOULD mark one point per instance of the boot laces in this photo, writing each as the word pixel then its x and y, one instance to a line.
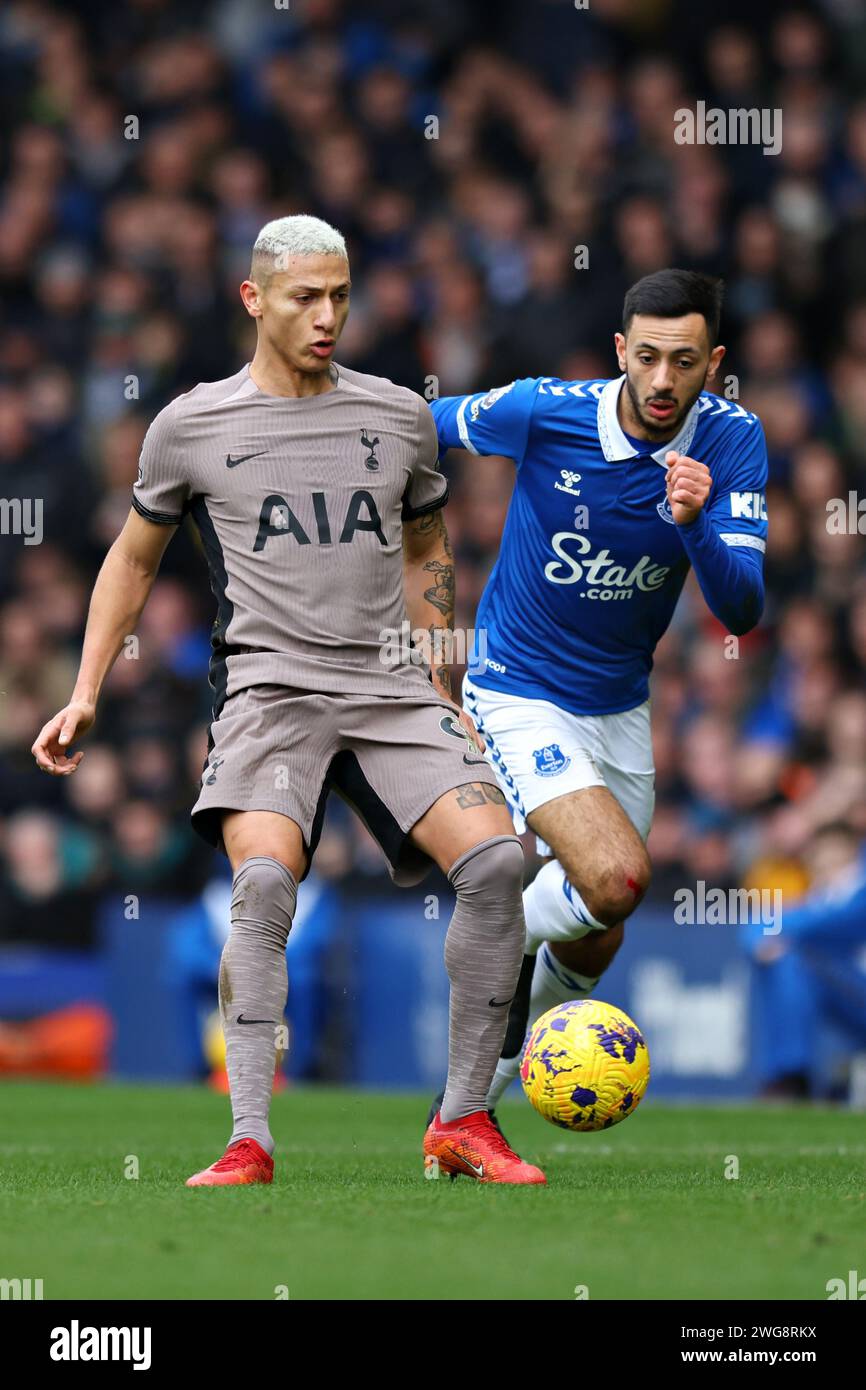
pixel 236 1157
pixel 485 1129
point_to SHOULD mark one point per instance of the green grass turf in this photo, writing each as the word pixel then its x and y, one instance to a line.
pixel 640 1211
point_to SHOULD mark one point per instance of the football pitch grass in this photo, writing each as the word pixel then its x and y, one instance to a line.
pixel 642 1211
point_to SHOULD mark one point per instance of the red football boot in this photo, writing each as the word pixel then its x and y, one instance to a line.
pixel 474 1146
pixel 243 1162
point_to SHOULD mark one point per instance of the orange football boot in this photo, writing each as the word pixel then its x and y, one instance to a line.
pixel 245 1161
pixel 474 1146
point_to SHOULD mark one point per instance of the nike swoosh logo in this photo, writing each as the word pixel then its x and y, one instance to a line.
pixel 472 762
pixel 461 1158
pixel 233 463
pixel 499 1003
pixel 241 1019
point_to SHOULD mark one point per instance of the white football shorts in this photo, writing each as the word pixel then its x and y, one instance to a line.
pixel 539 752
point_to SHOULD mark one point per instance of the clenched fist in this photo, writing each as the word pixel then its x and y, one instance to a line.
pixel 688 486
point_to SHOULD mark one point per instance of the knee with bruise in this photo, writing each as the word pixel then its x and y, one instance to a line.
pixel 491 873
pixel 616 894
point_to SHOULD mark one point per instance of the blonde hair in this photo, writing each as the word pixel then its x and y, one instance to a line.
pixel 293 236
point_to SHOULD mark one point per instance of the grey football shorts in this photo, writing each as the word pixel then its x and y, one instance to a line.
pixel 389 757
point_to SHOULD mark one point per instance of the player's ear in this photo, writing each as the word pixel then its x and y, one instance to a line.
pixel 250 294
pixel 715 361
pixel 619 341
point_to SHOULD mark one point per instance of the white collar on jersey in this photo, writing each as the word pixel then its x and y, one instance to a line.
pixel 613 442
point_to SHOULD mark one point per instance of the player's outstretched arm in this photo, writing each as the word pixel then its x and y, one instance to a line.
pixel 118 597
pixel 492 422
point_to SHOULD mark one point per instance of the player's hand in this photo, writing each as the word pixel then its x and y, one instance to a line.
pixel 52 743
pixel 688 486
pixel 466 721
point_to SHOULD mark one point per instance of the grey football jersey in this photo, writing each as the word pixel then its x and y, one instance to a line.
pixel 299 503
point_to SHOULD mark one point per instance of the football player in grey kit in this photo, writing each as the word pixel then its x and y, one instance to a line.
pixel 317 496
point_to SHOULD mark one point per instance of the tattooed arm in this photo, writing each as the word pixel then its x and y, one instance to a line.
pixel 428 581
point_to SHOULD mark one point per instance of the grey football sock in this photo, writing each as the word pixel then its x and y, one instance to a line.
pixel 253 987
pixel 483 954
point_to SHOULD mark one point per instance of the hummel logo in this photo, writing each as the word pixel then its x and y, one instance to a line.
pixel 241 1019
pixel 499 1003
pixel 233 463
pixel 370 461
pixel 568 480
pixel 461 1158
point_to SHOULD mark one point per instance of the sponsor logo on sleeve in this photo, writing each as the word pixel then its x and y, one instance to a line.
pixel 750 505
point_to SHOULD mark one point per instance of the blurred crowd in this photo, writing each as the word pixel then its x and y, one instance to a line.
pixel 466 151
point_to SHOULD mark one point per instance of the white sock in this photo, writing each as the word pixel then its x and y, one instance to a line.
pixel 552 984
pixel 554 910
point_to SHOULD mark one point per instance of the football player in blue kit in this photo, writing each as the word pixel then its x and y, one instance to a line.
pixel 622 485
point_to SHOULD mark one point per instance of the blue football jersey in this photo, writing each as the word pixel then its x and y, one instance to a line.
pixel 591 561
